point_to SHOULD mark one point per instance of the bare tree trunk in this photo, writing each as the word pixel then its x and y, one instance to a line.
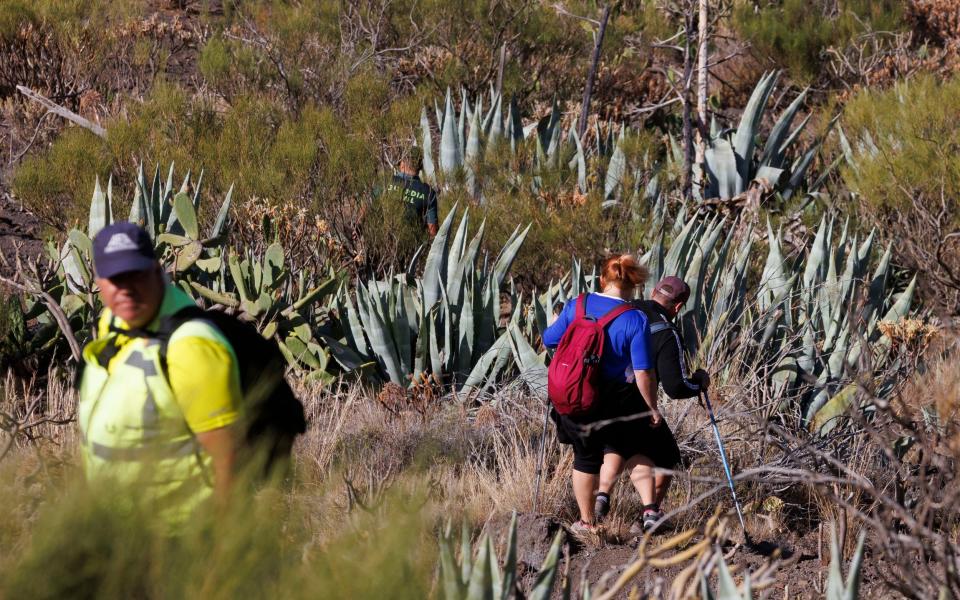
pixel 702 79
pixel 503 60
pixel 687 108
pixel 588 90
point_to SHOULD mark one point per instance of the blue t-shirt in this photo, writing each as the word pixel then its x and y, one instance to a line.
pixel 626 343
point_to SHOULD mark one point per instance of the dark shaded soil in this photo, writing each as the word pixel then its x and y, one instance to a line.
pixel 801 575
pixel 19 231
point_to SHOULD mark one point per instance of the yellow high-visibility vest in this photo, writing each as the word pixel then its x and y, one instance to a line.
pixel 134 436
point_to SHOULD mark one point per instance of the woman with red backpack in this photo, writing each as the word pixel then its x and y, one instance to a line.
pixel 604 389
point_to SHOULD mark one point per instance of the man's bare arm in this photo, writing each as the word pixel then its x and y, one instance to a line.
pixel 647 383
pixel 221 445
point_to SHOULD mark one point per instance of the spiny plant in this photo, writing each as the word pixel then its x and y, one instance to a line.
pixel 259 289
pixel 803 324
pixel 442 322
pixel 731 160
pixel 470 137
pixel 481 576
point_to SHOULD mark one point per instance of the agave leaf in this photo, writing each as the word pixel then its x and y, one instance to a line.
pixel 453 587
pixel 436 262
pixel 354 332
pixel 222 215
pixel 774 148
pixel 466 334
pixel 901 307
pixel 836 588
pixel 382 343
pixel 532 369
pixel 451 158
pixel 721 166
pixel 473 140
pixel 99 211
pixel 679 249
pixel 465 267
pixel 825 419
pixel 507 255
pixel 878 283
pixel 510 565
pixel 616 169
pixel 401 333
pixel 543 587
pixel 581 163
pixel 773 279
pixel 457 246
pixel 514 123
pixel 139 213
pixel 481 580
pixel 749 127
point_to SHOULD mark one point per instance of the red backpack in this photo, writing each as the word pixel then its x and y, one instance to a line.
pixel 573 379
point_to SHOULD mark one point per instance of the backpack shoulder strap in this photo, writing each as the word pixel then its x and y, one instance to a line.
pixel 168 325
pixel 614 313
pixel 581 311
pixel 661 326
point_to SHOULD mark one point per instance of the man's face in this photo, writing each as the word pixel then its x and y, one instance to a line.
pixel 134 296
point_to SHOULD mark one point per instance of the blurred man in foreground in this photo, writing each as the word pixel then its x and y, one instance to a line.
pixel 160 425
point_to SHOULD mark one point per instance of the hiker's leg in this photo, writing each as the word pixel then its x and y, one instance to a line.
pixel 641 474
pixel 610 471
pixel 663 486
pixel 584 485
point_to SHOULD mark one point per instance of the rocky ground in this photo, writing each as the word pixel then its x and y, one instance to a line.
pixel 801 573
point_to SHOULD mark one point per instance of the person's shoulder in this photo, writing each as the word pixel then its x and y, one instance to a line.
pixel 197 333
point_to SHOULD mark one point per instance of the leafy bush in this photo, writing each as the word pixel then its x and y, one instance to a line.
pixel 794 33
pixel 904 167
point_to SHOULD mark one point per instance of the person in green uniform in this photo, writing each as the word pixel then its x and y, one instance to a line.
pixel 160 429
pixel 419 199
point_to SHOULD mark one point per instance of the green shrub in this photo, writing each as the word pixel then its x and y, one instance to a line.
pixel 905 170
pixel 56 184
pixel 795 33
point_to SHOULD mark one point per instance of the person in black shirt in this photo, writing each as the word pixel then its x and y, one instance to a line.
pixel 666 345
pixel 419 198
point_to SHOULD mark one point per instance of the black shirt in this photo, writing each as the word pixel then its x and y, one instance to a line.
pixel 419 198
pixel 667 350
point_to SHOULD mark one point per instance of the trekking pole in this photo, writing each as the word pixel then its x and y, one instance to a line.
pixel 726 466
pixel 543 448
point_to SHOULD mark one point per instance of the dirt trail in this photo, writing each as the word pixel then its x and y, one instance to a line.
pixel 801 576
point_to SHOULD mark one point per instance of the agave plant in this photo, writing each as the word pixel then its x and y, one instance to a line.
pixel 481 576
pixel 442 322
pixel 468 138
pixel 801 321
pixel 732 160
pixel 259 289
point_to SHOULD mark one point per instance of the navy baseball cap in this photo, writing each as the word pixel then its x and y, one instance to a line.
pixel 121 248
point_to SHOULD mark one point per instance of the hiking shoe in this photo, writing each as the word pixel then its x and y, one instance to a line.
pixel 652 518
pixel 601 507
pixel 582 528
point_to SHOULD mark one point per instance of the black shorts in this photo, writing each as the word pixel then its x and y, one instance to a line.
pixel 627 438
